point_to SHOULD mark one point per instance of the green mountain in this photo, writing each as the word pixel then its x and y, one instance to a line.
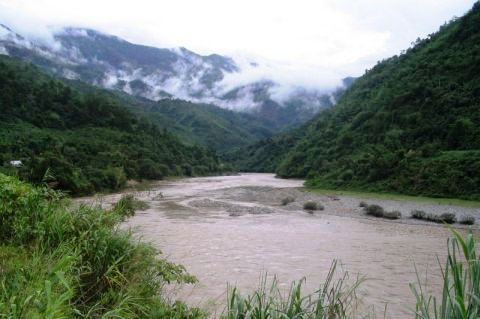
pixel 265 155
pixel 205 125
pixel 83 142
pixel 110 62
pixel 411 124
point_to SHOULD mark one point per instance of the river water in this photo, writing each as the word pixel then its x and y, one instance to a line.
pixel 233 229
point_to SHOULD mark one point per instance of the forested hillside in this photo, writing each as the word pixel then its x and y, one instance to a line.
pixel 205 125
pixel 83 142
pixel 411 124
pixel 265 155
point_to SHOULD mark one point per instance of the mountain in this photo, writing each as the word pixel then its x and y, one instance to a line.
pixel 410 125
pixel 83 142
pixel 158 73
pixel 265 155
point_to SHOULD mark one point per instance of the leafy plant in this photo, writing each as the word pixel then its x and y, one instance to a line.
pixel 461 284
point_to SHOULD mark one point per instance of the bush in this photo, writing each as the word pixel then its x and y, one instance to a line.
pixel 287 200
pixel 310 205
pixel 62 262
pixel 448 218
pixel 418 214
pixel 363 204
pixel 392 215
pixel 128 204
pixel 467 220
pixel 375 210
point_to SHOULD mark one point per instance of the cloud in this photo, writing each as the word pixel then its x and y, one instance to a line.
pixel 307 45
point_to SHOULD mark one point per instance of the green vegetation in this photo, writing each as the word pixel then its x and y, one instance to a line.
pixel 310 205
pixel 378 211
pixel 287 200
pixel 410 125
pixel 461 284
pixel 57 261
pixel 397 197
pixel 467 220
pixel 445 218
pixel 206 125
pixel 418 214
pixel 375 210
pixel 265 155
pixel 336 298
pixel 83 142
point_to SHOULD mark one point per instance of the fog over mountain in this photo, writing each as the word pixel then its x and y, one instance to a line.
pixel 157 73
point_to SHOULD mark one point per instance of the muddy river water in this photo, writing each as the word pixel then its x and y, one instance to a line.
pixel 233 229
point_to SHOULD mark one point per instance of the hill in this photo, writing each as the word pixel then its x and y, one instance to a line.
pixel 411 124
pixel 83 142
pixel 154 73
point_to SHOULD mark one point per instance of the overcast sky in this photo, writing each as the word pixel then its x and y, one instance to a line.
pixel 339 36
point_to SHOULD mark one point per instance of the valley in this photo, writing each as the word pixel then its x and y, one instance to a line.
pixel 142 179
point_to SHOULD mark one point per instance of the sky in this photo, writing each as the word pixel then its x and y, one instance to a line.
pixel 292 40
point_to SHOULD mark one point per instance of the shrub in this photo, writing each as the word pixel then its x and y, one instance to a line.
pixel 287 200
pixel 448 218
pixel 375 210
pixel 310 205
pixel 467 220
pixel 392 215
pixel 128 204
pixel 58 261
pixel 418 214
pixel 363 204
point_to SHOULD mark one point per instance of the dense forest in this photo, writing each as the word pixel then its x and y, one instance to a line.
pixel 83 142
pixel 205 125
pixel 411 124
pixel 265 155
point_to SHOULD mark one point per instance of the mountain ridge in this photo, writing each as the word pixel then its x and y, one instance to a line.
pixel 157 73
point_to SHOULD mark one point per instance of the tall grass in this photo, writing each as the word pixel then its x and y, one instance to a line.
pixel 461 284
pixel 336 298
pixel 62 262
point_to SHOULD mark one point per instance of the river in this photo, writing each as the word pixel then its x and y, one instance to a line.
pixel 233 229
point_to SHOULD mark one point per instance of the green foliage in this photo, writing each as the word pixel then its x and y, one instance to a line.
pixel 418 214
pixel 310 205
pixel 336 298
pixel 287 200
pixel 392 215
pixel 445 218
pixel 61 262
pixel 467 220
pixel 86 141
pixel 375 210
pixel 265 155
pixel 461 284
pixel 378 211
pixel 409 125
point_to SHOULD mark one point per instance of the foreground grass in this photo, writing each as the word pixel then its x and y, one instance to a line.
pixel 57 261
pixel 334 299
pixel 397 197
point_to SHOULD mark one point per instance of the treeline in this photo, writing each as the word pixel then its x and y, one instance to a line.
pixel 83 142
pixel 410 125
